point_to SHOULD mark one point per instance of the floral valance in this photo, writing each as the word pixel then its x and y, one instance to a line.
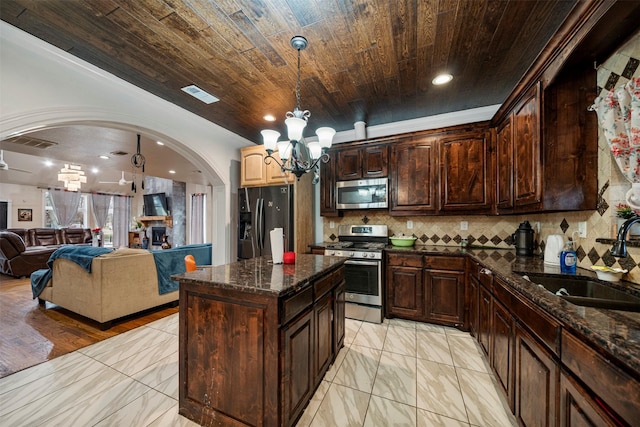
pixel 619 118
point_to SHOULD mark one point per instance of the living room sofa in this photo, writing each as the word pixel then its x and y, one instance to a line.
pixel 23 251
pixel 122 282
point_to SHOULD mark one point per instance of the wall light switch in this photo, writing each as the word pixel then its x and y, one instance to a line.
pixel 582 229
pixel 464 225
pixel 332 224
pixel 409 225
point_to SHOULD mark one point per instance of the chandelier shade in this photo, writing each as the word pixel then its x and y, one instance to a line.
pixel 296 155
pixel 72 176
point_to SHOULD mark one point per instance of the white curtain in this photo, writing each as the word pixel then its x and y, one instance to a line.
pixel 65 205
pixel 619 118
pixel 121 215
pixel 197 217
pixel 100 204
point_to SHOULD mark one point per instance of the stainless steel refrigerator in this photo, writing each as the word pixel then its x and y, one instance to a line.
pixel 261 210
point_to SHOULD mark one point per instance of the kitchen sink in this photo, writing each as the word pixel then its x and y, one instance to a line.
pixel 587 292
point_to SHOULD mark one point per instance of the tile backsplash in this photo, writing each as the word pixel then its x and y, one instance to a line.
pixel 497 230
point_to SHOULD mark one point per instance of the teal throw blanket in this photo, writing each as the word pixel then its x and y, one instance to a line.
pixel 171 261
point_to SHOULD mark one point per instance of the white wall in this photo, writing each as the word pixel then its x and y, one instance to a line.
pixel 42 86
pixel 23 197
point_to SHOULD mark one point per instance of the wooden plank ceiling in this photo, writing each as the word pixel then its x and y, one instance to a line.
pixel 370 60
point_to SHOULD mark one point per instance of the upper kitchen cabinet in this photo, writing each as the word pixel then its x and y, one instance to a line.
pixel 328 187
pixel 362 162
pixel 254 171
pixel 413 180
pixel 466 171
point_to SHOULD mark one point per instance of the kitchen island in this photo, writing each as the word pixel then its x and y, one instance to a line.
pixel 257 338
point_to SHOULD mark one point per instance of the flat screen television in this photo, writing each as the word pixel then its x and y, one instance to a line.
pixel 156 204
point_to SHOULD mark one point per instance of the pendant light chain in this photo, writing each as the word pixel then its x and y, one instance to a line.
pixel 298 84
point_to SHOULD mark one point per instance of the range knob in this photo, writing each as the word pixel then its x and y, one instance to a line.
pixel 330 253
pixel 365 255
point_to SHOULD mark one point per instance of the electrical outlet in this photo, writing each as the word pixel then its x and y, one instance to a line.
pixel 536 227
pixel 582 229
pixel 464 225
pixel 409 225
pixel 332 224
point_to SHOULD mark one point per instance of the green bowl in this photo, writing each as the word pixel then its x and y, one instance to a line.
pixel 402 241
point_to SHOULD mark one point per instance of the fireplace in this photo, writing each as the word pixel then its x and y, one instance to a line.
pixel 156 235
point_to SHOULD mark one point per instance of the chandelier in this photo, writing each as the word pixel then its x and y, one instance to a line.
pixel 72 176
pixel 296 155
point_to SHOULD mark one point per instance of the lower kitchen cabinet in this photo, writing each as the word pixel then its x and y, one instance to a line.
pixel 502 348
pixel 536 382
pixel 405 287
pixel 472 303
pixel 577 407
pixel 484 318
pixel 323 317
pixel 429 288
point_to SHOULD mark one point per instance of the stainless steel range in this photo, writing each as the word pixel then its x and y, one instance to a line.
pixel 363 245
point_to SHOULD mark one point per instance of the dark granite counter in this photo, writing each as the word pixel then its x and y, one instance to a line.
pixel 616 332
pixel 260 275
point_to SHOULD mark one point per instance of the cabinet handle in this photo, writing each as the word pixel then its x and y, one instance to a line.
pixel 486 271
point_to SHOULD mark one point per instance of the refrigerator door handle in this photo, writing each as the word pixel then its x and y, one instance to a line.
pixel 257 225
pixel 262 223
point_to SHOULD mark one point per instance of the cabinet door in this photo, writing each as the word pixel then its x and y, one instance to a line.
pixel 328 187
pixel 484 318
pixel 323 312
pixel 413 177
pixel 253 171
pixel 274 173
pixel 526 143
pixel 349 164
pixel 536 382
pixel 338 318
pixel 465 184
pixel 502 348
pixel 405 293
pixel 472 297
pixel 375 161
pixel 444 300
pixel 504 166
pixel 297 375
pixel 577 408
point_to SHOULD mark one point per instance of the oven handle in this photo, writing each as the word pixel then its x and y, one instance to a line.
pixel 373 263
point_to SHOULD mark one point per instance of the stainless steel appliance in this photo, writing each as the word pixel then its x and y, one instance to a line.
pixel 363 245
pixel 362 194
pixel 261 210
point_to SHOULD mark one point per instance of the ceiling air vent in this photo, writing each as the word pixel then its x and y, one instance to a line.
pixel 203 96
pixel 119 153
pixel 28 141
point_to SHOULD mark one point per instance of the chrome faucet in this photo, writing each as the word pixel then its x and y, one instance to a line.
pixel 619 248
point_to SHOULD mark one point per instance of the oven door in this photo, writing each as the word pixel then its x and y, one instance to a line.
pixel 363 281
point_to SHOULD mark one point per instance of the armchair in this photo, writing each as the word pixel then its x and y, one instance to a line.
pixel 17 260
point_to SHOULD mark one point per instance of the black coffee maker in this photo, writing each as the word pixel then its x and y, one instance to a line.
pixel 523 239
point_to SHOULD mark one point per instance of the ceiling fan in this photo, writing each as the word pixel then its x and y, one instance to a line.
pixel 5 167
pixel 121 181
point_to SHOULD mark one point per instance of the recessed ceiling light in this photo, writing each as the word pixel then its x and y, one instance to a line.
pixel 103 157
pixel 95 170
pixel 442 79
pixel 270 118
pixel 48 163
pixel 172 171
pixel 159 142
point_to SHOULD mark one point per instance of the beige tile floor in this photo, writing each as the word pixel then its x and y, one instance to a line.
pixel 399 373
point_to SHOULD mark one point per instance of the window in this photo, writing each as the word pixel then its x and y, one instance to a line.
pixel 82 216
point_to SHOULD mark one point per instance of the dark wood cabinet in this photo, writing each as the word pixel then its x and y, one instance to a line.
pixel 504 165
pixel 324 329
pixel 297 365
pixel 484 318
pixel 472 303
pixel 413 179
pixel 405 287
pixel 527 188
pixel 429 288
pixel 362 162
pixel 444 290
pixel 338 317
pixel 466 173
pixel 536 382
pixel 578 408
pixel 502 335
pixel 328 187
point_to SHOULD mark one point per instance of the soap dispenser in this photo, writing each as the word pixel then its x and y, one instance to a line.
pixel 568 259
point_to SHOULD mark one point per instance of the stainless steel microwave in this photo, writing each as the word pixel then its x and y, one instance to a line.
pixel 362 194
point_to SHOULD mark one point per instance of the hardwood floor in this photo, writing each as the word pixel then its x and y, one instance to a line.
pixel 32 334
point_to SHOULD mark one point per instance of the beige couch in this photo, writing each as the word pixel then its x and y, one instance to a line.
pixel 121 282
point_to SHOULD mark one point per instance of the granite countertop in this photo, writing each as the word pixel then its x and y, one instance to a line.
pixel 615 331
pixel 260 275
